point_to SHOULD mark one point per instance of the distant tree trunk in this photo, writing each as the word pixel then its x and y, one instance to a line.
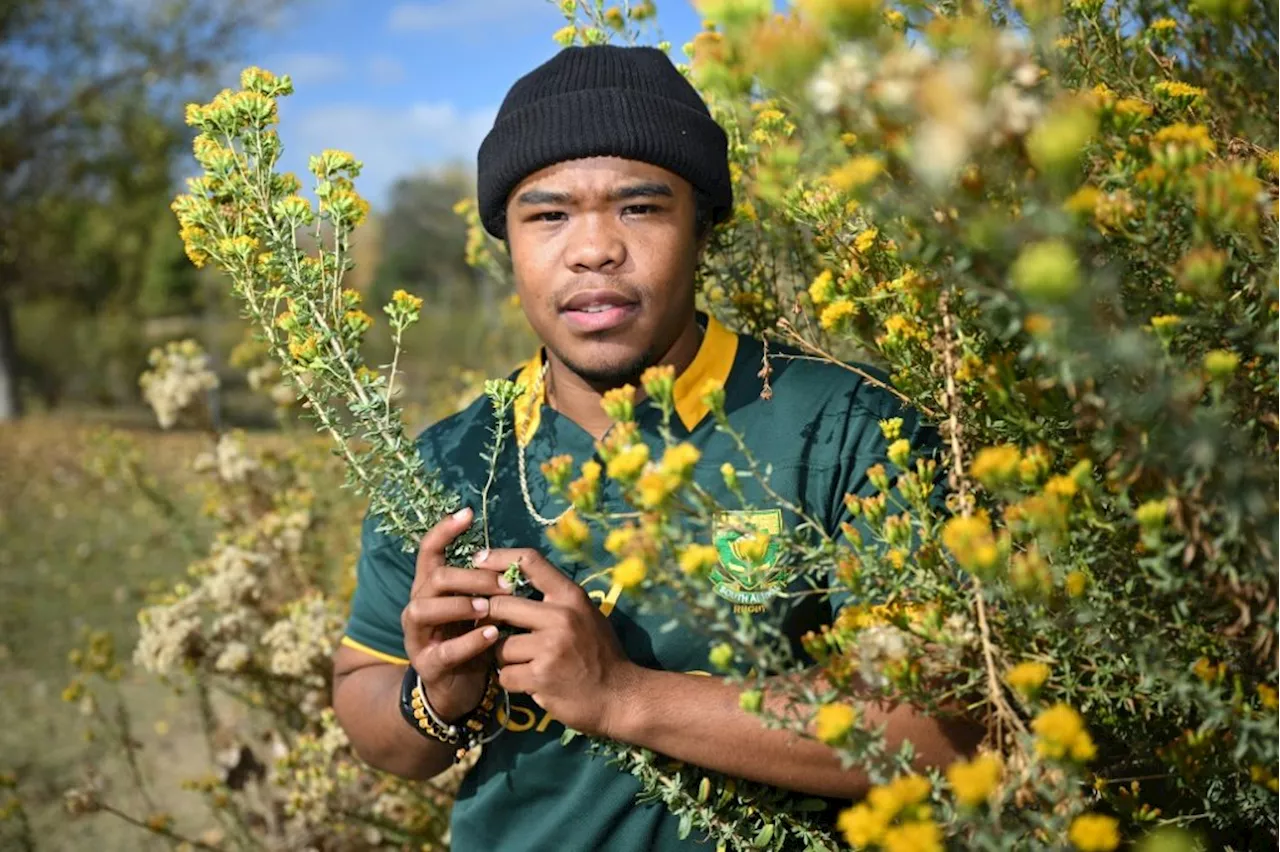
pixel 10 401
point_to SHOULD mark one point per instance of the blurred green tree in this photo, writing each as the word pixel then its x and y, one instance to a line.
pixel 423 242
pixel 91 95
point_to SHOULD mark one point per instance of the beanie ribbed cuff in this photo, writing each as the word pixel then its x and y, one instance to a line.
pixel 624 121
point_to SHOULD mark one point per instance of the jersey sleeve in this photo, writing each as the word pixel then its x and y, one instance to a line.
pixel 866 447
pixel 384 575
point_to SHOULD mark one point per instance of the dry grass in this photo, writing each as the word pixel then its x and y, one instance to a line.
pixel 78 554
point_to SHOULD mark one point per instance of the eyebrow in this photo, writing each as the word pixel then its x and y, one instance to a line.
pixel 647 189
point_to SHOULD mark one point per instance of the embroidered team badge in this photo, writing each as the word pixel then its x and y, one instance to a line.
pixel 747 543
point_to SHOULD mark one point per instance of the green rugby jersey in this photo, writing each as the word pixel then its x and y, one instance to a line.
pixel 819 432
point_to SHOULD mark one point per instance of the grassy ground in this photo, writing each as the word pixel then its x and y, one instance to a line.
pixel 75 555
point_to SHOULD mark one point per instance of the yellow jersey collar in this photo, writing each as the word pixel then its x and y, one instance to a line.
pixel 714 361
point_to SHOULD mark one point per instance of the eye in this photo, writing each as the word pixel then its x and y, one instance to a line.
pixel 640 209
pixel 547 216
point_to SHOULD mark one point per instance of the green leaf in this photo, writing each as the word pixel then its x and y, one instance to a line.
pixel 763 836
pixel 686 826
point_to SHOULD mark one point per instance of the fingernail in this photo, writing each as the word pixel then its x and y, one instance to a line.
pixel 480 557
pixel 504 584
pixel 480 604
pixel 489 632
pixel 462 513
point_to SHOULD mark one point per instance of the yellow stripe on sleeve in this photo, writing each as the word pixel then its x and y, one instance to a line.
pixel 373 652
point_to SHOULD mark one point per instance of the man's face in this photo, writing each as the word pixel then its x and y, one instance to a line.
pixel 604 251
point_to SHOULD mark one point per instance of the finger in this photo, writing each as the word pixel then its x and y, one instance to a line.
pixel 482 560
pixel 431 550
pixel 517 678
pixel 522 612
pixel 512 650
pixel 437 611
pixel 544 576
pixel 446 580
pixel 441 658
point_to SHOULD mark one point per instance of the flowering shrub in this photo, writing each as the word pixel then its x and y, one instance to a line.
pixel 249 632
pixel 1054 226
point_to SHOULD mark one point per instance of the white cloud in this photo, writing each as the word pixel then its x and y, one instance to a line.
pixel 386 71
pixel 308 69
pixel 456 14
pixel 391 141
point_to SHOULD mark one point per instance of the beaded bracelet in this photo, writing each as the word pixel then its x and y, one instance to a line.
pixel 464 734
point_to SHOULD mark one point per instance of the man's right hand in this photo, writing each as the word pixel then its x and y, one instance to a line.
pixel 449 651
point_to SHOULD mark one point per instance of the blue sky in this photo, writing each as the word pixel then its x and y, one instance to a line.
pixel 408 86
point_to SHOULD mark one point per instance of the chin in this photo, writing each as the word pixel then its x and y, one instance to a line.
pixel 607 368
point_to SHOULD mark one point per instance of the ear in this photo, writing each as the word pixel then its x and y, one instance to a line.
pixel 700 247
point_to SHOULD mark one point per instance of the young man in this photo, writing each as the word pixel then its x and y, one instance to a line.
pixel 604 172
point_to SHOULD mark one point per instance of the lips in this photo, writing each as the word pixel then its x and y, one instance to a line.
pixel 598 310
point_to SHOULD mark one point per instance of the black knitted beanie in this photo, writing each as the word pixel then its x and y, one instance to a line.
pixel 602 100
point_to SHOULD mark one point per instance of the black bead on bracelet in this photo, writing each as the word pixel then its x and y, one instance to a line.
pixel 465 734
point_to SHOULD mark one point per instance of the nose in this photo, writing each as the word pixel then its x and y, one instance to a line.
pixel 595 246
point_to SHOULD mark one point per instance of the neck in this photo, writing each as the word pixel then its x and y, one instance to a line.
pixel 579 400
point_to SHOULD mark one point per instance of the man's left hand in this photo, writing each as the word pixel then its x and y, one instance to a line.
pixel 570 662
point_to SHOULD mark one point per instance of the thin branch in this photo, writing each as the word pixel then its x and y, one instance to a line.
pixel 1002 713
pixel 794 336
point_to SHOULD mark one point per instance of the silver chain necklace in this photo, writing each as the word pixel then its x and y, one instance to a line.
pixel 522 464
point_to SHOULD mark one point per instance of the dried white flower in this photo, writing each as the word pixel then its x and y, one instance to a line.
pixel 301 643
pixel 233 463
pixel 234 657
pixel 179 373
pixel 170 635
pixel 234 577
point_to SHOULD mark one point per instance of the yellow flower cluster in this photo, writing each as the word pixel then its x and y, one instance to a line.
pixel 1152 514
pixel 1028 676
pixel 1209 672
pixel 833 722
pixel 1221 363
pixel 836 314
pixel 659 382
pixel 974 781
pixel 856 173
pixel 1094 833
pixel 619 403
pixel 823 289
pixel 972 542
pixel 994 466
pixel 899 452
pixel 630 572
pixel 656 484
pixel 627 463
pixel 1259 775
pixel 1180 146
pixel 345 205
pixel 569 534
pixel 584 491
pixel 654 487
pixel 697 559
pixel 891 428
pixel 898 329
pixel 1179 91
pixel 1060 733
pixel 872 822
pixel 1061 486
pixel 865 240
pixel 678 460
pixel 753 546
